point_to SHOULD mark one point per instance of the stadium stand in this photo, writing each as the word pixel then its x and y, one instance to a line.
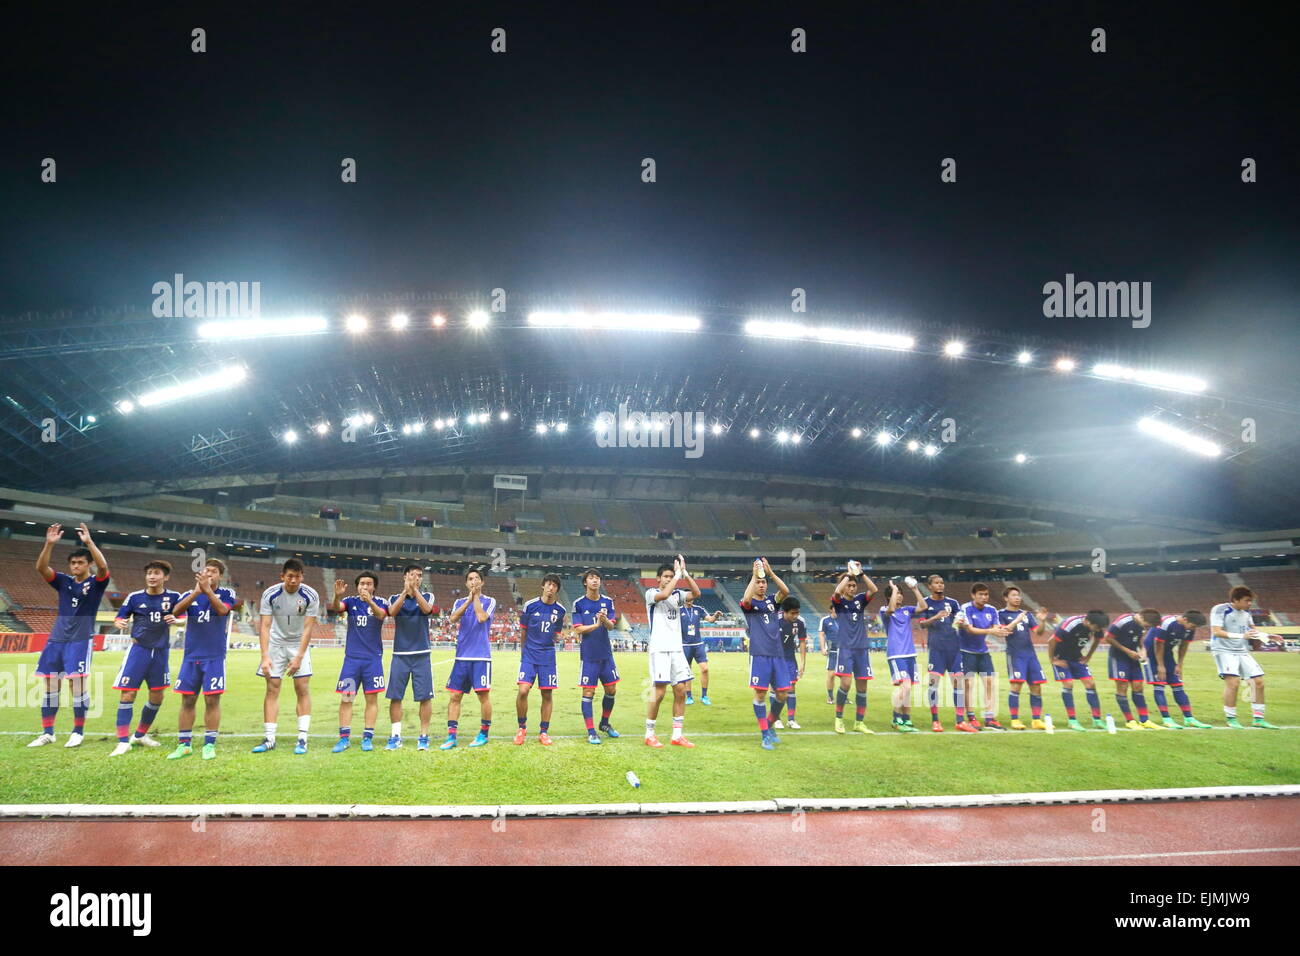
pixel 1276 589
pixel 628 600
pixel 1066 595
pixel 1174 593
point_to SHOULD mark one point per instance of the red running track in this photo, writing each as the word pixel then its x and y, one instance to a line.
pixel 1214 832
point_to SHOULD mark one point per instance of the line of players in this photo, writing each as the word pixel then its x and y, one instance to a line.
pixel 1143 647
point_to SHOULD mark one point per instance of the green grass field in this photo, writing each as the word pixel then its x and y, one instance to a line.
pixel 727 764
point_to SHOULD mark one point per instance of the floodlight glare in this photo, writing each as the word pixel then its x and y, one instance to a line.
pixel 290 436
pixel 1024 358
pixel 1149 377
pixel 1065 365
pixel 228 329
pixel 399 321
pixel 833 335
pixel 753 433
pixel 883 438
pixel 478 319
pixel 504 416
pixel 717 429
pixel 621 321
pixel 783 436
pixel 218 381
pixel 931 451
pixel 1021 458
pixel 439 320
pixel 856 433
pixel 796 438
pixel 561 427
pixel 1176 436
pixel 914 446
pixel 321 428
pixel 541 428
pixel 126 406
pixel 954 348
pixel 357 323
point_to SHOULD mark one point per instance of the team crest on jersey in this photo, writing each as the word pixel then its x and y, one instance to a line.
pixel 167 604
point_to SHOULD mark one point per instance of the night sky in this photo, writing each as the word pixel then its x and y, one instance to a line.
pixel 775 170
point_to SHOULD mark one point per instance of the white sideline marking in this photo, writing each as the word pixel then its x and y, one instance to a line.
pixel 362 811
pixel 1116 856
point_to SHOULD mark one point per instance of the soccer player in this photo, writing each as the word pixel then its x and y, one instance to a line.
pixel 284 632
pixel 1166 646
pixel 976 620
pixel 853 592
pixel 1069 649
pixel 593 616
pixel 146 660
pixel 829 627
pixel 472 670
pixel 693 644
pixel 412 649
pixel 900 649
pixel 206 609
pixel 1127 657
pixel 1023 666
pixel 938 617
pixel 794 650
pixel 363 656
pixel 541 620
pixel 1231 632
pixel 71 643
pixel 767 667
pixel 667 662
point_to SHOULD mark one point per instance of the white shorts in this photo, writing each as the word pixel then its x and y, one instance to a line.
pixel 669 667
pixel 1237 665
pixel 281 654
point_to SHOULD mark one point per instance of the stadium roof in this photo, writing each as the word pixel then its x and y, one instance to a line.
pixel 456 394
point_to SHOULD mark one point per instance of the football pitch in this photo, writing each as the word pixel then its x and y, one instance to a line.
pixel 727 763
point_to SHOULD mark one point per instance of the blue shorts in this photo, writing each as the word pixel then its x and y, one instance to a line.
pixel 944 659
pixel 831 656
pixel 1151 676
pixel 1024 665
pixel 1123 668
pixel 853 662
pixel 535 670
pixel 144 667
pixel 792 670
pixel 415 668
pixel 363 675
pixel 201 677
pixel 902 668
pixel 695 652
pixel 768 673
pixel 976 662
pixel 602 671
pixel 1073 670
pixel 65 659
pixel 469 676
